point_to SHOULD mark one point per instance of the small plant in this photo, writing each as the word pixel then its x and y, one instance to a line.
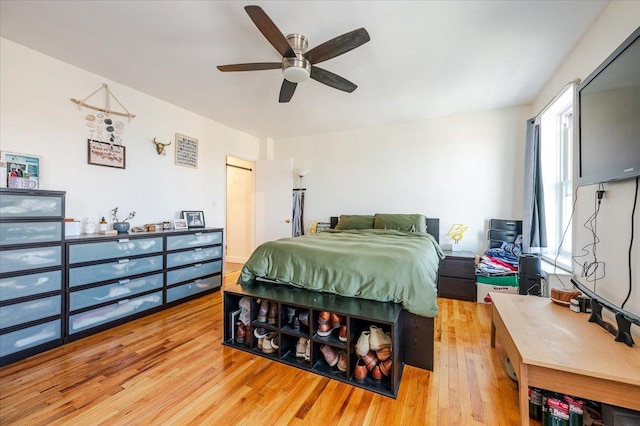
pixel 114 214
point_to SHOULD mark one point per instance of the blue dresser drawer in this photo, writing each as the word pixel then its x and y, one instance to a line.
pixel 24 312
pixel 195 287
pixel 113 270
pixel 30 232
pixel 29 337
pixel 30 206
pixel 197 239
pixel 124 247
pixel 192 272
pixel 124 308
pixel 193 256
pixel 33 258
pixel 105 293
pixel 27 285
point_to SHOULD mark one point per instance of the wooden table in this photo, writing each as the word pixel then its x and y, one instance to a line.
pixel 553 348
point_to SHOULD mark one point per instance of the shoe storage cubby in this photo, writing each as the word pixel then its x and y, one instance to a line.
pixel 317 332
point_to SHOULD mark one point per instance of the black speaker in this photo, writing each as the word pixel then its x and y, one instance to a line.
pixel 530 274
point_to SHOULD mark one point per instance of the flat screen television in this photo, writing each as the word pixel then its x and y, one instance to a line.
pixel 609 117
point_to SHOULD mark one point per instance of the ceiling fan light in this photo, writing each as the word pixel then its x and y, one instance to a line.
pixel 296 74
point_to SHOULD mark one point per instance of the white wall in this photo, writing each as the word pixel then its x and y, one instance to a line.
pixel 618 20
pixel 462 169
pixel 38 118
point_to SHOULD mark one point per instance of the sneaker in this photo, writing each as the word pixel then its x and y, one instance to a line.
pixel 362 347
pixel 378 339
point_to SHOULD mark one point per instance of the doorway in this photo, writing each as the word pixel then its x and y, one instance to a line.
pixel 239 212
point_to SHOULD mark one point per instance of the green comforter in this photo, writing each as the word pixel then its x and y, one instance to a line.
pixel 383 265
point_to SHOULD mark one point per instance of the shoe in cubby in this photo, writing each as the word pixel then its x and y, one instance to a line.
pixel 290 319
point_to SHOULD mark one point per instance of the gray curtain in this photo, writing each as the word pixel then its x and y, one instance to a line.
pixel 298 211
pixel 534 229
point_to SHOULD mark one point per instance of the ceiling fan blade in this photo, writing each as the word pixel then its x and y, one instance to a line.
pixel 337 46
pixel 270 31
pixel 257 66
pixel 331 79
pixel 286 91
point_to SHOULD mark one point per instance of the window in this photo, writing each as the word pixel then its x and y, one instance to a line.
pixel 556 142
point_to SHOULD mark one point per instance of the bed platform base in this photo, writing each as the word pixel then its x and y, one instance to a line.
pixel 418 340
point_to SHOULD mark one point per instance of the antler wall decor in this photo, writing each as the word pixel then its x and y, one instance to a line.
pixel 160 146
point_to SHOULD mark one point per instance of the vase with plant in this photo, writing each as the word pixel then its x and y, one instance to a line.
pixel 121 226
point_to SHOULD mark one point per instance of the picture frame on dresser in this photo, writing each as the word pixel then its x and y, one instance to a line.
pixel 180 224
pixel 194 218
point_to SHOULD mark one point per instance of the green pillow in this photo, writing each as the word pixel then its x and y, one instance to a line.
pixel 401 222
pixel 356 221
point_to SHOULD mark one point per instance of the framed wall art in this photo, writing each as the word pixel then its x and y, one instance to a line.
pixel 186 151
pixel 195 219
pixel 106 154
pixel 22 170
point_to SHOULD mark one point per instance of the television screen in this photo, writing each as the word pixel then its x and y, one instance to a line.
pixel 609 117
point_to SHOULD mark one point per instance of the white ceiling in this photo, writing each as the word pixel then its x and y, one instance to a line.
pixel 425 58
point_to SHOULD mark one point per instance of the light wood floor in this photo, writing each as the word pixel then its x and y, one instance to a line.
pixel 230 267
pixel 171 368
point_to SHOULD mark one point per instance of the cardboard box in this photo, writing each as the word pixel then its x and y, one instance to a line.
pixel 483 290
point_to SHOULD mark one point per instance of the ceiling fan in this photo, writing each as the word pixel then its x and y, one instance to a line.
pixel 297 64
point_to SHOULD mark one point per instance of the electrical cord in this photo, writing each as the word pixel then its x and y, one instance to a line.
pixel 633 213
pixel 564 234
pixel 590 269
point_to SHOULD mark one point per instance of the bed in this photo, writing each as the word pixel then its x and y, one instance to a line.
pixel 387 258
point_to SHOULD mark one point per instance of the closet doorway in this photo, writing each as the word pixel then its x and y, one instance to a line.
pixel 240 212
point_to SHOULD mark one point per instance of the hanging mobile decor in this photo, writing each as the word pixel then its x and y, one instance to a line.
pixel 101 126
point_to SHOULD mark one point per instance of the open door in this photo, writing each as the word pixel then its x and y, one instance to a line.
pixel 239 228
pixel 274 188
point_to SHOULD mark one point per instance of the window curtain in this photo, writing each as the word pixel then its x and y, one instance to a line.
pixel 298 212
pixel 534 229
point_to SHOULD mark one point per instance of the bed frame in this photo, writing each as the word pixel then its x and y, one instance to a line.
pixel 418 333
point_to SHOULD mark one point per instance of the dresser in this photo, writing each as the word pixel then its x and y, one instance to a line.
pixel 111 279
pixel 194 264
pixel 55 290
pixel 31 272
pixel 457 276
pixel 115 279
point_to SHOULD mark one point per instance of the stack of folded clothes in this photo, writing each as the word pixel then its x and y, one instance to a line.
pixel 501 261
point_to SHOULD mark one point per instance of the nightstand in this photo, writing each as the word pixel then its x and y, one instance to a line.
pixel 457 276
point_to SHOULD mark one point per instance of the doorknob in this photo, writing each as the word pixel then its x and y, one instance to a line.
pixel 287 221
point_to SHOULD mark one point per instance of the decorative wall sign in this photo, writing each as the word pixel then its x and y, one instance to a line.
pixel 106 154
pixel 186 151
pixel 22 170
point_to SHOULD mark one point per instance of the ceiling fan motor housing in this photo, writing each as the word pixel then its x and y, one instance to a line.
pixel 298 69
